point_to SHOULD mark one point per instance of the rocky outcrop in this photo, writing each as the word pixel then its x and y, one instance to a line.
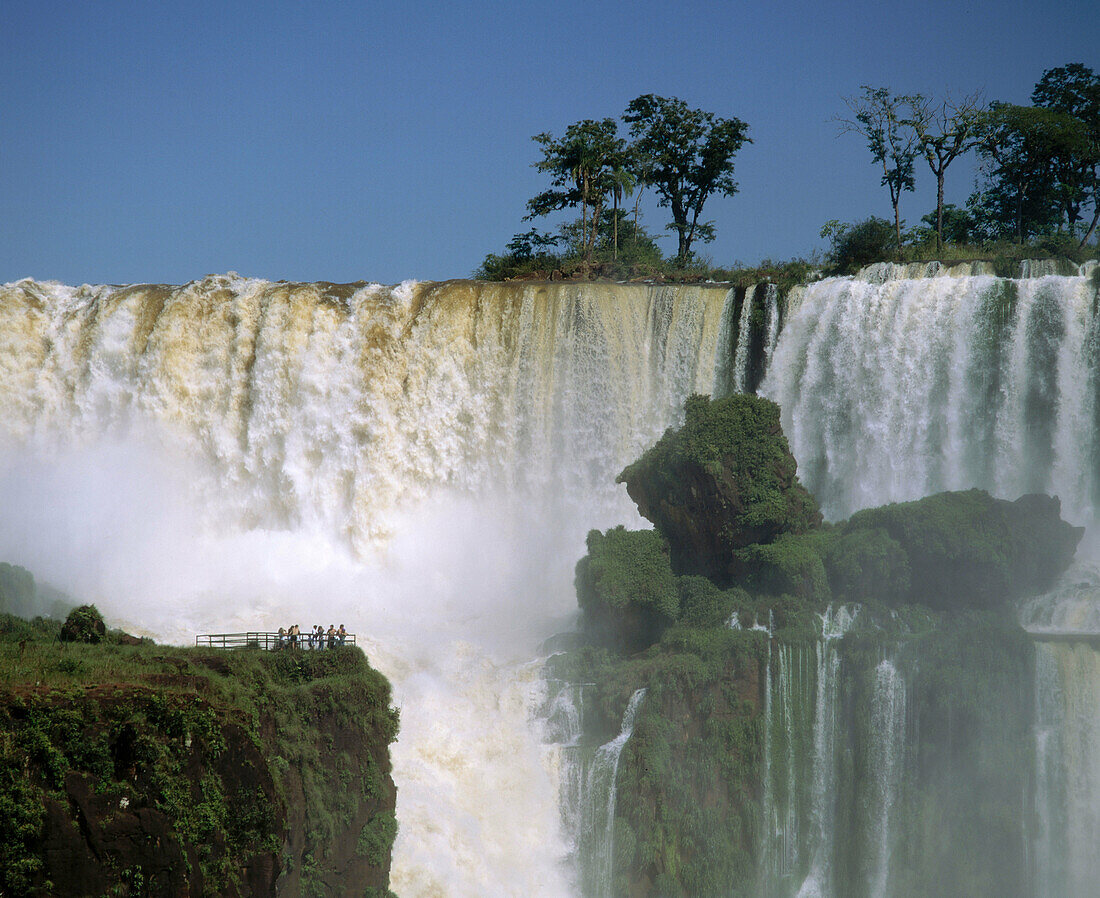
pixel 724 481
pixel 192 773
pixel 718 787
pixel 956 550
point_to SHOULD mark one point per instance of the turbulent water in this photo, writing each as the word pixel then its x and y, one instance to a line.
pixel 419 462
pixel 893 387
pixel 422 462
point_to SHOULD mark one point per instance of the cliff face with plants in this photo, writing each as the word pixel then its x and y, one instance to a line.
pixel 146 770
pixel 833 707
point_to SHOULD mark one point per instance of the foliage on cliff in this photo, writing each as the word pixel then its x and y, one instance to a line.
pixel 626 587
pixel 723 481
pixel 964 549
pixel 739 544
pixel 190 771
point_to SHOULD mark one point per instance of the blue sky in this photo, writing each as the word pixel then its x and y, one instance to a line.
pixel 369 141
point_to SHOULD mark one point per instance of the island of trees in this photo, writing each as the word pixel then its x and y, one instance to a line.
pixel 1037 193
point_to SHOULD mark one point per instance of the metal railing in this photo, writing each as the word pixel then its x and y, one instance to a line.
pixel 258 639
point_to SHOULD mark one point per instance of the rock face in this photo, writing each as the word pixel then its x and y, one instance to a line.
pixel 197 773
pixel 724 481
pixel 959 549
pixel 722 615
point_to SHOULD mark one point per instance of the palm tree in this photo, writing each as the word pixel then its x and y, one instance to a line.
pixel 622 184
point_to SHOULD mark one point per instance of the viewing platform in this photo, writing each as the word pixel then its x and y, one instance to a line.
pixel 1088 636
pixel 258 639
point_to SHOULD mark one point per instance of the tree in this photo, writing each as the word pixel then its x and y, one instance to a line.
pixel 581 166
pixel 623 182
pixel 892 140
pixel 854 246
pixel 1024 148
pixel 945 130
pixel 1074 90
pixel 686 155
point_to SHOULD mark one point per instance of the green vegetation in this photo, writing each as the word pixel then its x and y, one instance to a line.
pixel 684 154
pixel 933 580
pixel 626 587
pixel 724 480
pixel 1038 194
pixel 84 624
pixel 21 595
pixel 877 118
pixel 1040 190
pixel 192 768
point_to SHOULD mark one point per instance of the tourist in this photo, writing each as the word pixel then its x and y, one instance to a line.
pixel 282 637
pixel 331 633
pixel 342 634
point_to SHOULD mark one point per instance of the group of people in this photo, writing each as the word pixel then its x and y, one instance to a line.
pixel 316 638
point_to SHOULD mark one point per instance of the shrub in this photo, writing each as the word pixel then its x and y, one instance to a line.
pixel 865 242
pixel 84 624
pixel 626 587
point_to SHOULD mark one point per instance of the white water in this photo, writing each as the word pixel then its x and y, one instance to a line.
pixel 894 386
pixel 835 622
pixel 788 699
pixel 598 827
pixel 420 463
pixel 887 744
pixel 741 350
pixel 1067 731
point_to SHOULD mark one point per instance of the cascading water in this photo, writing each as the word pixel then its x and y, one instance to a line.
pixel 422 462
pixel 598 771
pixel 1066 625
pixel 741 350
pixel 821 837
pixel 893 387
pixel 887 743
pixel 419 462
pixel 789 709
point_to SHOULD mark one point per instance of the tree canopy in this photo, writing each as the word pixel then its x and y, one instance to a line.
pixel 877 116
pixel 583 166
pixel 687 155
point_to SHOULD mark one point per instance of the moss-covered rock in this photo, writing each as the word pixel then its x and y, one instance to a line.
pixel 84 624
pixel 626 588
pixel 792 565
pixel 866 564
pixel 963 549
pixel 723 481
pixel 934 659
pixel 146 770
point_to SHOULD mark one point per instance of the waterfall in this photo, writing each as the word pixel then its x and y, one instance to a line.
pixel 420 462
pixel 789 709
pixel 771 307
pixel 821 836
pixel 886 750
pixel 1066 624
pixel 1067 767
pixel 597 818
pixel 893 386
pixel 741 350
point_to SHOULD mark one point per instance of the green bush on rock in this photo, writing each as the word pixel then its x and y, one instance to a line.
pixel 736 534
pixel 723 481
pixel 964 549
pixel 626 587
